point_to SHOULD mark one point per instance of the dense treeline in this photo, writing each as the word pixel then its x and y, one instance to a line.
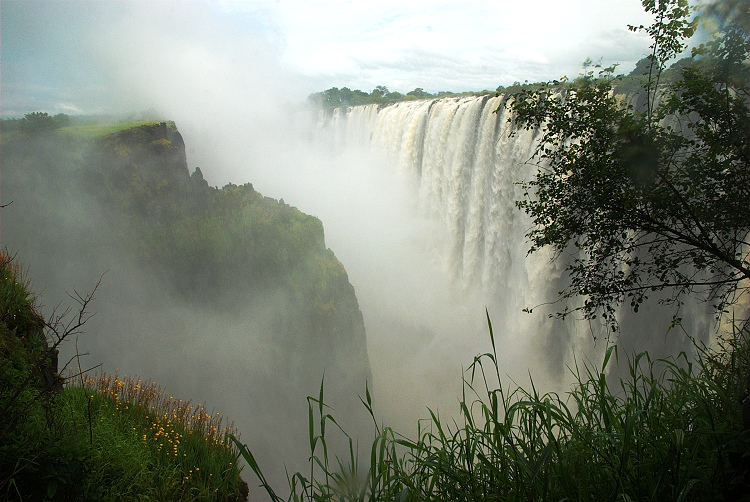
pixel 335 97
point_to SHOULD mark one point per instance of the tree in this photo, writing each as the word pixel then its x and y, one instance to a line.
pixel 419 93
pixel 653 198
pixel 37 122
pixel 392 97
pixel 379 91
pixel 642 67
pixel 41 122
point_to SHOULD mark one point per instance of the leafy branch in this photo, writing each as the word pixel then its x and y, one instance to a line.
pixel 645 201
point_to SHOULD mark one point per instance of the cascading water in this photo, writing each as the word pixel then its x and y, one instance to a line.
pixel 458 157
pixel 463 165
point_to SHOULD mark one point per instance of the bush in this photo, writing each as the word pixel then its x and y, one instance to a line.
pixel 37 459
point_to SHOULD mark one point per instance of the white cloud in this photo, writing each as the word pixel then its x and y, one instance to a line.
pixel 308 45
pixel 488 39
pixel 343 43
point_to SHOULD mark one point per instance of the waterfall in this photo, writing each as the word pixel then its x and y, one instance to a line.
pixel 464 166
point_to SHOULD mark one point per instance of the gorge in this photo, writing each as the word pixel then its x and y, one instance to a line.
pixel 214 294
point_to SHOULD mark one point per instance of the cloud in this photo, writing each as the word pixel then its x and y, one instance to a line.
pixel 497 37
pixel 305 46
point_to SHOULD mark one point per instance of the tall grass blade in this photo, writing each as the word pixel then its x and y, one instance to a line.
pixel 253 464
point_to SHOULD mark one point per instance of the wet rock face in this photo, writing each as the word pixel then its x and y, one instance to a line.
pixel 45 358
pixel 52 378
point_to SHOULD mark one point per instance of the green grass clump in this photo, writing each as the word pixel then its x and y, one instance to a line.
pixel 26 430
pixel 18 314
pixel 672 431
pixel 146 444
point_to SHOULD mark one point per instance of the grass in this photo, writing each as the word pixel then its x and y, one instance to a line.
pixel 104 439
pixel 672 431
pixel 97 130
pixel 17 304
pixel 147 444
pixel 127 440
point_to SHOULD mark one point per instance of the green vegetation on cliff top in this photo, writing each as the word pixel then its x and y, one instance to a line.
pixel 97 130
pixel 334 97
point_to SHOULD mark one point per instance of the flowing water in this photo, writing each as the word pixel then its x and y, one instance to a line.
pixel 459 160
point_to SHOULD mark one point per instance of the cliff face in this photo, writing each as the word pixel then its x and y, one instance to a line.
pixel 221 294
pixel 232 249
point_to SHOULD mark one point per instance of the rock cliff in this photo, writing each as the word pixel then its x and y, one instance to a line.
pixel 220 294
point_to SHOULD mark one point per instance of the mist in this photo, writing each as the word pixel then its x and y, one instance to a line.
pixel 237 110
pixel 239 106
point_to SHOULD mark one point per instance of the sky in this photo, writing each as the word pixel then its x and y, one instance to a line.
pixel 96 56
